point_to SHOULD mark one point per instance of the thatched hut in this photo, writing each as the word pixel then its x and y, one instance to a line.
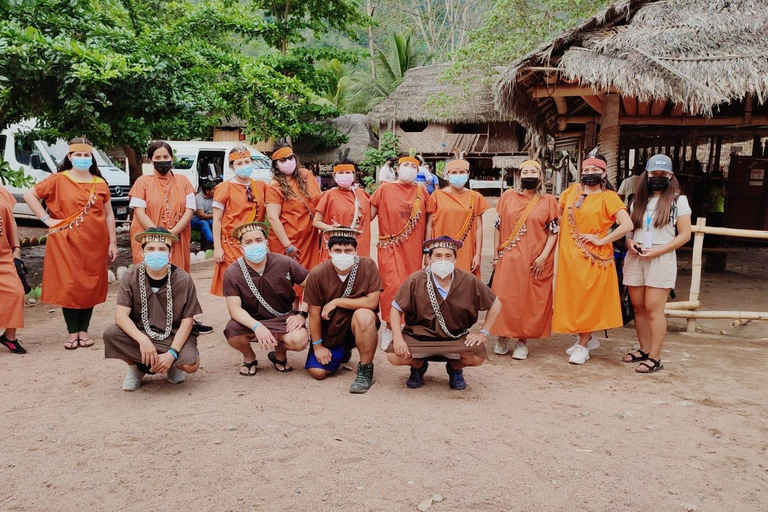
pixel 678 76
pixel 355 127
pixel 439 116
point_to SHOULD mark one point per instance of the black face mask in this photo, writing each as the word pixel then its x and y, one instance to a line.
pixel 529 183
pixel 163 167
pixel 658 183
pixel 591 180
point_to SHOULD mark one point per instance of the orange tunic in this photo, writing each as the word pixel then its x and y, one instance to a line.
pixel 237 211
pixel 75 265
pixel 338 208
pixel 166 202
pixel 401 217
pixel 11 290
pixel 296 216
pixel 586 287
pixel 526 301
pixel 455 215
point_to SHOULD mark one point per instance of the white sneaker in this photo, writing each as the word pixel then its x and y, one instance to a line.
pixel 502 346
pixel 132 380
pixel 579 356
pixel 521 351
pixel 175 375
pixel 386 338
pixel 592 344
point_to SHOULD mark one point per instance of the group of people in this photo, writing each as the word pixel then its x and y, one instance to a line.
pixel 294 266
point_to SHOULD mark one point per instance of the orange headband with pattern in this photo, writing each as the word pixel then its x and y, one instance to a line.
pixel 238 154
pixel 530 163
pixel 80 148
pixel 457 165
pixel 409 159
pixel 594 162
pixel 282 153
pixel 343 167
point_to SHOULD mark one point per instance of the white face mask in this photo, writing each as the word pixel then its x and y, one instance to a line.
pixel 407 174
pixel 342 261
pixel 442 268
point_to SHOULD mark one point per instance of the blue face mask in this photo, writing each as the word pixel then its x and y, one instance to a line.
pixel 244 171
pixel 256 252
pixel 157 260
pixel 458 180
pixel 82 163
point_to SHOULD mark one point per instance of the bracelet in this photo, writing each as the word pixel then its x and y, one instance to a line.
pixel 173 352
pixel 178 350
pixel 289 249
pixel 256 326
pixel 317 342
pixel 15 247
pixel 302 313
pixel 483 331
pixel 45 218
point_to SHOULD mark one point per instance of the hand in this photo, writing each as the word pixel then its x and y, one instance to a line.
pixel 322 354
pixel 112 252
pixel 494 263
pixel 325 314
pixel 538 266
pixel 295 322
pixel 593 239
pixel 218 255
pixel 265 338
pixel 401 348
pixel 148 352
pixel 294 252
pixel 17 253
pixel 50 222
pixel 163 363
pixel 632 248
pixel 475 339
pixel 649 254
pixel 475 262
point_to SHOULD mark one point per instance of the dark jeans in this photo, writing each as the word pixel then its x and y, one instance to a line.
pixel 205 227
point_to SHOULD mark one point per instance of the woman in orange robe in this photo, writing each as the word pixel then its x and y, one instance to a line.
pixel 291 199
pixel 457 212
pixel 11 289
pixel 587 287
pixel 402 207
pixel 525 237
pixel 345 206
pixel 235 202
pixel 163 199
pixel 80 240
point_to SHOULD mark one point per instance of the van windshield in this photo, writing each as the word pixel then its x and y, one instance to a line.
pixel 59 150
pixel 183 162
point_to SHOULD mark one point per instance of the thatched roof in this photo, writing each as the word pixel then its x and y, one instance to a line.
pixel 427 96
pixel 698 54
pixel 357 129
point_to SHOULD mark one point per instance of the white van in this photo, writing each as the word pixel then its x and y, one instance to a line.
pixel 211 159
pixel 40 159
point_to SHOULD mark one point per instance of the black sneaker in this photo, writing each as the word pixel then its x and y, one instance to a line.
pixel 364 379
pixel 416 380
pixel 202 328
pixel 13 345
pixel 455 378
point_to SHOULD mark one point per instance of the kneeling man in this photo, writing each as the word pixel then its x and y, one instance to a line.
pixel 155 330
pixel 259 291
pixel 439 305
pixel 343 298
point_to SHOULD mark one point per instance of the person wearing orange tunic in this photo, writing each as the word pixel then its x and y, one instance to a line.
pixel 11 289
pixel 237 201
pixel 291 199
pixel 165 200
pixel 457 212
pixel 345 206
pixel 402 207
pixel 525 237
pixel 587 286
pixel 80 240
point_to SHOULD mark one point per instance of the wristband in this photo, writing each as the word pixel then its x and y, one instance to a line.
pixel 45 218
pixel 256 326
pixel 302 313
pixel 15 247
pixel 317 342
pixel 487 334
pixel 173 352
pixel 178 350
pixel 289 249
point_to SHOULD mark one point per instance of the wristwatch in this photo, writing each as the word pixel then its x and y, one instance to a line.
pixel 302 313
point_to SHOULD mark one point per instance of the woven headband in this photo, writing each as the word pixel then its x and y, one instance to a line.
pixel 594 162
pixel 343 167
pixel 530 163
pixel 457 165
pixel 80 148
pixel 442 243
pixel 409 159
pixel 151 236
pixel 242 229
pixel 238 154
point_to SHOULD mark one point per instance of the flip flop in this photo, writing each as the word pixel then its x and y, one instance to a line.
pixel 249 366
pixel 282 362
pixel 84 344
pixel 73 344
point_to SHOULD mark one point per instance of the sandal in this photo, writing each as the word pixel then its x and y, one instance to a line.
pixel 635 359
pixel 13 345
pixel 282 362
pixel 84 343
pixel 72 344
pixel 250 368
pixel 650 369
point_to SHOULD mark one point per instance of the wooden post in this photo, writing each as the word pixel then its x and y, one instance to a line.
pixel 608 139
pixel 698 245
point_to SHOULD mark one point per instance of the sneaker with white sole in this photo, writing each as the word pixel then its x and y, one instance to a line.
pixel 386 338
pixel 175 375
pixel 133 378
pixel 592 344
pixel 501 347
pixel 579 355
pixel 521 351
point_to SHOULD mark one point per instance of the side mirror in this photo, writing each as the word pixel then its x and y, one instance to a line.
pixel 35 161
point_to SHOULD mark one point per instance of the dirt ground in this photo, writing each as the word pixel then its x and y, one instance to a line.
pixel 526 435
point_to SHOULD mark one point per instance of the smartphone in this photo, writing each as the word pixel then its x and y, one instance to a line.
pixel 639 248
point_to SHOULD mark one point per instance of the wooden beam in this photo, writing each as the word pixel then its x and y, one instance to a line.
pixel 677 110
pixel 657 107
pixel 562 109
pixel 564 90
pixel 608 139
pixel 595 102
pixel 643 108
pixel 735 121
pixel 630 105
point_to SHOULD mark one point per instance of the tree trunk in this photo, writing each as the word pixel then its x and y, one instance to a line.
pixel 134 157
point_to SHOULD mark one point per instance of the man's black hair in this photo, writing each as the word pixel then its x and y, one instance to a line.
pixel 341 240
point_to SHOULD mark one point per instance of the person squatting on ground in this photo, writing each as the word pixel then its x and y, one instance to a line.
pixel 525 236
pixel 650 268
pixel 259 288
pixel 154 329
pixel 343 297
pixel 587 286
pixel 11 289
pixel 438 306
pixel 81 238
pixel 202 219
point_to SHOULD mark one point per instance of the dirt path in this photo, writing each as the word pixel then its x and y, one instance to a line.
pixel 533 435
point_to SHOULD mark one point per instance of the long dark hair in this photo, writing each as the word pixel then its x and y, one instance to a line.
pixel 66 164
pixel 663 214
pixel 284 181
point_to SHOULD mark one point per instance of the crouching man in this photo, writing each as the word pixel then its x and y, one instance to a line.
pixel 343 298
pixel 438 306
pixel 259 291
pixel 155 330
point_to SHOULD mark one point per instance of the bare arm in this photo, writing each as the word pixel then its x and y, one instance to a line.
pixel 625 227
pixel 315 331
pixel 15 239
pixel 273 214
pixel 124 322
pixel 238 314
pixel 551 241
pixel 682 238
pixel 109 218
pixel 182 334
pixel 218 250
pixel 33 201
pixel 318 222
pixel 202 215
pixel 368 302
pixel 374 212
pixel 491 316
pixel 183 222
pixel 143 218
pixel 430 226
pixel 479 236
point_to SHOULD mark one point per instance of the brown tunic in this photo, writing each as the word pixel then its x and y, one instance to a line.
pixel 324 285
pixel 276 287
pixel 118 345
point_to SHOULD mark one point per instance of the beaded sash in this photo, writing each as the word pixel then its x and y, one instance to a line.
pixel 436 307
pixel 145 309
pixel 255 291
